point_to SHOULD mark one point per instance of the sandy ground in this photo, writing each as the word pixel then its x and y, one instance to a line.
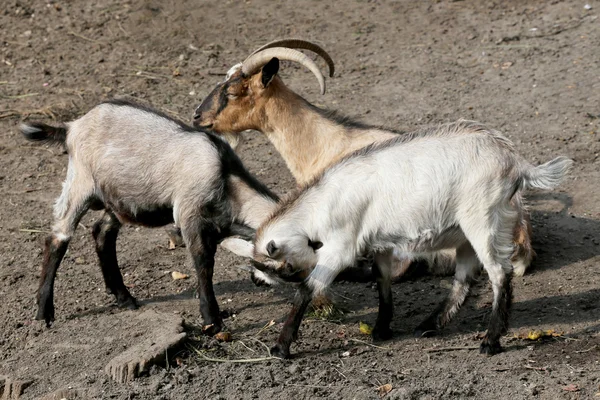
pixel 527 68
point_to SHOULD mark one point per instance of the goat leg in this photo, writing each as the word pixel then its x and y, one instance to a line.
pixel 498 324
pixel 54 251
pixel 105 232
pixel 202 247
pixel 289 333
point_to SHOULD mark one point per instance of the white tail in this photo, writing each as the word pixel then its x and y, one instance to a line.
pixel 547 176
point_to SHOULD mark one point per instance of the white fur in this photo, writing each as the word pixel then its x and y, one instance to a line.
pixel 433 190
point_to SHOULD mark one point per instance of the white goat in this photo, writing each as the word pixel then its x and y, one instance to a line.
pixel 446 187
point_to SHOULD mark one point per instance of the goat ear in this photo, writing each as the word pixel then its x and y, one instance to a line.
pixel 316 245
pixel 269 70
pixel 272 248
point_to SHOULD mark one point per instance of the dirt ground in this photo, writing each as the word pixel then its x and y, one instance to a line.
pixel 527 68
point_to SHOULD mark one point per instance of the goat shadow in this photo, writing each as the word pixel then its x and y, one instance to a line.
pixel 561 239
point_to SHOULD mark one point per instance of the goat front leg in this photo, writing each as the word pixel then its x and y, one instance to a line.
pixel 382 269
pixel 105 232
pixel 289 333
pixel 202 245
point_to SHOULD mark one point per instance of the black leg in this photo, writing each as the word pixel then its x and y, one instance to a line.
pixel 381 272
pixel 289 333
pixel 499 319
pixel 54 251
pixel 202 245
pixel 105 232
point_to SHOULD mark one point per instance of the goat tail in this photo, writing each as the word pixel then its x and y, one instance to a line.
pixel 39 132
pixel 546 176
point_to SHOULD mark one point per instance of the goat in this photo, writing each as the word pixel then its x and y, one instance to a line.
pixel 310 139
pixel 143 167
pixel 446 187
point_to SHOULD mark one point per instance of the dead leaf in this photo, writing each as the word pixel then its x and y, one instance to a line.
pixel 176 275
pixel 364 328
pixel 506 65
pixel 571 388
pixel 384 389
pixel 539 334
pixel 223 337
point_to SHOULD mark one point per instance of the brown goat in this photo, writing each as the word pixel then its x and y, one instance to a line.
pixel 308 138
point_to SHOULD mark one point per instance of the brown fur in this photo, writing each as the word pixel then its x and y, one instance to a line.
pixel 308 139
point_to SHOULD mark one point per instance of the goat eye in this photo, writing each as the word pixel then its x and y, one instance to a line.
pixel 231 96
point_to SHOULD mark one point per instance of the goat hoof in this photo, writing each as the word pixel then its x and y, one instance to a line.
pixel 279 352
pixel 46 315
pixel 129 303
pixel 381 334
pixel 490 348
pixel 212 329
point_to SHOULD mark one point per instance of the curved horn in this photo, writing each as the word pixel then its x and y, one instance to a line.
pixel 257 60
pixel 300 44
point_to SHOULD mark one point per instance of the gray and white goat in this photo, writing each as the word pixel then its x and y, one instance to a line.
pixel 447 187
pixel 143 167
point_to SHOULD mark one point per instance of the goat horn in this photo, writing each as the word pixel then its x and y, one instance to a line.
pixel 300 44
pixel 253 63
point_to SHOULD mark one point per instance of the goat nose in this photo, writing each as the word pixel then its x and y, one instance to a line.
pixel 196 115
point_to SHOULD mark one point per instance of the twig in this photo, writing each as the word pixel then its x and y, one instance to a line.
pixel 590 349
pixel 122 29
pixel 33 231
pixel 438 349
pixel 267 326
pixel 217 73
pixel 83 37
pixel 19 96
pixel 368 344
pixel 545 369
pixel 9 114
pixel 339 372
pixel 262 343
pixel 239 360
pixel 243 344
pixel 313 386
pixel 152 281
pixel 340 295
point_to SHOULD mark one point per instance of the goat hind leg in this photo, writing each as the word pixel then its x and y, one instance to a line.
pixel 55 248
pixel 105 232
pixel 467 267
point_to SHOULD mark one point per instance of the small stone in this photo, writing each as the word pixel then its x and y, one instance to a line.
pixel 294 369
